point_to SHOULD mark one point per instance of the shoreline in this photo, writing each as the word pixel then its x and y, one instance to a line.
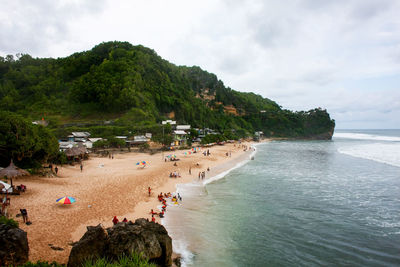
pixel 183 248
pixel 105 188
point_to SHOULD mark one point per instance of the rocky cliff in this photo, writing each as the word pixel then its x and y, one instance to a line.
pixel 147 238
pixel 14 249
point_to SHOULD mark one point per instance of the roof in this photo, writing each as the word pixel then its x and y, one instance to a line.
pixel 12 171
pixel 168 121
pixel 93 140
pixel 179 132
pixel 121 137
pixel 75 151
pixel 183 127
pixel 140 138
pixel 80 134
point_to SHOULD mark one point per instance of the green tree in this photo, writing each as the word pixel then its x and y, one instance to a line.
pixel 27 144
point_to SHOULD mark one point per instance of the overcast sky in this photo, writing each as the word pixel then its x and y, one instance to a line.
pixel 342 55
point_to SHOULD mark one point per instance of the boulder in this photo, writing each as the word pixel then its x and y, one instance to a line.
pixel 91 246
pixel 143 237
pixel 14 249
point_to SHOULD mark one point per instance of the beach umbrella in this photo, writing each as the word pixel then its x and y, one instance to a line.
pixel 66 200
pixel 12 171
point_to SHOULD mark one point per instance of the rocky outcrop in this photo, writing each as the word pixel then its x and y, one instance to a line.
pixel 92 245
pixel 322 136
pixel 147 238
pixel 14 249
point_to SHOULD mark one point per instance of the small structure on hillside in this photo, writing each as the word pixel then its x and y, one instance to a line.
pixel 139 139
pixel 76 139
pixel 180 138
pixel 79 136
pixel 258 135
pixel 41 122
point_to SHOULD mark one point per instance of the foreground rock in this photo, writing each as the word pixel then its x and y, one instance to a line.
pixel 150 239
pixel 14 249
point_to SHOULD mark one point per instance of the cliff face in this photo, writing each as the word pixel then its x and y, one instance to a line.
pixel 14 249
pixel 323 136
pixel 143 237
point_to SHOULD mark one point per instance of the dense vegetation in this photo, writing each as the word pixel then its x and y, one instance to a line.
pixel 120 89
pixel 27 144
pixel 9 222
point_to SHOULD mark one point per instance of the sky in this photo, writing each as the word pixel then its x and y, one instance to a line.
pixel 340 55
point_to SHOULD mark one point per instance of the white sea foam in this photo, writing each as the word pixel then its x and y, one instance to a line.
pixel 361 136
pixel 180 246
pixel 388 153
pixel 223 174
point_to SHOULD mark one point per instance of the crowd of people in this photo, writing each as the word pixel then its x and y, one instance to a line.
pixel 174 174
pixel 161 198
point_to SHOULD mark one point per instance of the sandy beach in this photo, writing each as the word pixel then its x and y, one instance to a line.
pixel 104 189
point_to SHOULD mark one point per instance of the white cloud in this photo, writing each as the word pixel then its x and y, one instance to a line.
pixel 294 52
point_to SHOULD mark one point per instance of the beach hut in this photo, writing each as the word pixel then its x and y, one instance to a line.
pixel 12 171
pixel 76 153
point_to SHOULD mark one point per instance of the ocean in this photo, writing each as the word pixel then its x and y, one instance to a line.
pixel 298 203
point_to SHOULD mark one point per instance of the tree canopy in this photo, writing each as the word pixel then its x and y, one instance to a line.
pixel 135 88
pixel 27 144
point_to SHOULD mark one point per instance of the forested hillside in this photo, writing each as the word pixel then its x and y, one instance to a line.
pixel 134 88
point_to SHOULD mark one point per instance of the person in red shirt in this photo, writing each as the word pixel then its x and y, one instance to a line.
pixel 125 220
pixel 149 191
pixel 115 220
pixel 152 218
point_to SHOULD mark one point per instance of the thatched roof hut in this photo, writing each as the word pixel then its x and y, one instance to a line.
pixel 12 171
pixel 75 151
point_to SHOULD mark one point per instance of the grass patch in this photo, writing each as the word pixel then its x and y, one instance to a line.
pixel 133 260
pixel 10 222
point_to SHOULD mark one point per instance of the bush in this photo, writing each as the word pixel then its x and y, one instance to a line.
pixel 10 222
pixel 133 260
pixel 144 146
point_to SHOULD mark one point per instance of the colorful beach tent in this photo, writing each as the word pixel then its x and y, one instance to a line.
pixel 66 200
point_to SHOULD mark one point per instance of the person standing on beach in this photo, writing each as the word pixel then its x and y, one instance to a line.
pixel 81 167
pixel 199 175
pixel 152 218
pixel 149 191
pixel 24 214
pixel 56 170
pixel 115 220
pixel 190 170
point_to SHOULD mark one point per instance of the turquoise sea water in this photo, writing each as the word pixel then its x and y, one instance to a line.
pixel 299 203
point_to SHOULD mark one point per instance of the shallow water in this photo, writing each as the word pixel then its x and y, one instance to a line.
pixel 298 203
